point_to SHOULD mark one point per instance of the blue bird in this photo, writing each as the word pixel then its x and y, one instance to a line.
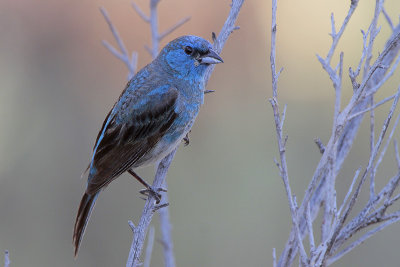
pixel 151 117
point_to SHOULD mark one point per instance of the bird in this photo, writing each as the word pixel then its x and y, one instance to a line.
pixel 153 114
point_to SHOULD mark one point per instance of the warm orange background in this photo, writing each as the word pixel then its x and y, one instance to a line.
pixel 228 204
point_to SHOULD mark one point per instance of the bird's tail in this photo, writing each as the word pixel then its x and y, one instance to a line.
pixel 82 218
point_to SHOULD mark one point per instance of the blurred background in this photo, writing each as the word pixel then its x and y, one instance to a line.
pixel 227 202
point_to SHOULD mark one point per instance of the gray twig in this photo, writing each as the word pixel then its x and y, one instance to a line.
pixel 149 248
pixel 123 55
pixel 139 234
pixel 321 189
pixel 173 28
pixel 140 12
pixel 361 240
pixel 7 259
pixel 281 143
pixel 387 17
pixel 396 152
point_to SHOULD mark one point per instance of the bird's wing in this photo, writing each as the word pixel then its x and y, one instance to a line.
pixel 127 135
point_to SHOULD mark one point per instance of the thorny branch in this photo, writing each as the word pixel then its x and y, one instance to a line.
pixel 336 229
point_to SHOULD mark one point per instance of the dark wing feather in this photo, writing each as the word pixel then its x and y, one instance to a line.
pixel 123 144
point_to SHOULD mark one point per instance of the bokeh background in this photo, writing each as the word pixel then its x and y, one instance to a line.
pixel 227 202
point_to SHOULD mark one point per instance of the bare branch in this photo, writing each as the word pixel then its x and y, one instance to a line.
pixel 310 231
pixel 140 12
pixel 281 146
pixel 336 37
pixel 374 33
pixel 149 248
pixel 352 116
pixel 132 226
pixel 123 56
pixel 387 17
pixel 345 126
pixel 154 28
pixel 354 74
pixel 361 240
pixel 371 147
pixel 350 190
pixel 165 227
pixel 147 214
pixel 367 170
pixel 173 28
pixel 7 259
pixel 396 152
pixel 388 140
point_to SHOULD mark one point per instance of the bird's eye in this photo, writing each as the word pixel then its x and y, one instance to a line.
pixel 188 50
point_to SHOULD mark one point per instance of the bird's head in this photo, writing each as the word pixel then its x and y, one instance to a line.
pixel 188 56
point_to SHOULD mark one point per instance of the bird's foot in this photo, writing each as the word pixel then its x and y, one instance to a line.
pixel 150 191
pixel 186 140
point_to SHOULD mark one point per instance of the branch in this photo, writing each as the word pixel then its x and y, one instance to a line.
pixel 281 144
pixel 7 259
pixel 165 227
pixel 347 127
pixel 149 248
pixel 123 55
pixel 139 234
pixel 140 12
pixel 389 21
pixel 361 240
pixel 173 28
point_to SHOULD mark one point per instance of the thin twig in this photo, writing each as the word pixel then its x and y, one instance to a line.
pixel 147 214
pixel 173 28
pixel 347 132
pixel 396 152
pixel 373 107
pixel 149 248
pixel 367 170
pixel 361 240
pixel 336 37
pixel 140 12
pixel 371 147
pixel 166 228
pixel 310 231
pixel 123 55
pixel 7 259
pixel 387 17
pixel 383 152
pixel 350 190
pixel 281 145
pixel 374 33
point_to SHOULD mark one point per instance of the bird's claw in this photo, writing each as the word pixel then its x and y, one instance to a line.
pixel 157 207
pixel 150 191
pixel 186 139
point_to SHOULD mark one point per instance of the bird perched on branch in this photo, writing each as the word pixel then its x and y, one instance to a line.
pixel 151 117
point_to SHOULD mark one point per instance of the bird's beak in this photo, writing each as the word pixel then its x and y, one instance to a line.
pixel 211 58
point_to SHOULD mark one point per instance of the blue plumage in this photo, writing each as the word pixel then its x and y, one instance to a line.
pixel 151 117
